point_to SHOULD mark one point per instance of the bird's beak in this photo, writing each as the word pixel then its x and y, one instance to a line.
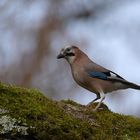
pixel 60 56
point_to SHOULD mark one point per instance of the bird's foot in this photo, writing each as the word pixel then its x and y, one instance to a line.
pixel 96 107
pixel 93 103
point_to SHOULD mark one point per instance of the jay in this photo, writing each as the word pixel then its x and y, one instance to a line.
pixel 92 76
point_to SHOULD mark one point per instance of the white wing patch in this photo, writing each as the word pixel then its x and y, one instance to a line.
pixel 113 74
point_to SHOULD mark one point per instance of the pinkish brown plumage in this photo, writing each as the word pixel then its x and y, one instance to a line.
pixel 92 76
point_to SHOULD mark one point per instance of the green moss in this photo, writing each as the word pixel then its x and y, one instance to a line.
pixel 47 119
pixel 70 102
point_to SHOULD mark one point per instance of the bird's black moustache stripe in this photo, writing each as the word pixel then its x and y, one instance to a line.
pixel 70 54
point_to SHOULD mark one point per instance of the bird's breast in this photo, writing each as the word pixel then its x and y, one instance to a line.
pixel 83 80
pixel 78 76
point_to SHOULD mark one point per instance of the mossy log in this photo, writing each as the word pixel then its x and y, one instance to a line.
pixel 26 114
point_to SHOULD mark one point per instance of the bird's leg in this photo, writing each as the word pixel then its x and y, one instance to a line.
pixel 98 97
pixel 102 95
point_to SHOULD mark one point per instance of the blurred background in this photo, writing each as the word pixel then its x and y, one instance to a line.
pixel 32 32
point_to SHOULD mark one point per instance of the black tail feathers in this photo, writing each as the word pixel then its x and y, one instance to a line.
pixel 134 86
pixel 125 82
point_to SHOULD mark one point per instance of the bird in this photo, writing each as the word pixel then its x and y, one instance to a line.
pixel 91 76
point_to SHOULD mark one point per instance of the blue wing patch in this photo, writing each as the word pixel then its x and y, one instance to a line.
pixel 97 74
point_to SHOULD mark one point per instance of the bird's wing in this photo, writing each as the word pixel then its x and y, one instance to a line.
pixel 97 74
pixel 102 73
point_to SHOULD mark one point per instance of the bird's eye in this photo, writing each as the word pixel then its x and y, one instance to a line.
pixel 68 49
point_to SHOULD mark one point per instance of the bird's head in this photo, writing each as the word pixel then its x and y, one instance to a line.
pixel 69 53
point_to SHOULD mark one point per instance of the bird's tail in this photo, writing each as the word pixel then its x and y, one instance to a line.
pixel 134 86
pixel 126 83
